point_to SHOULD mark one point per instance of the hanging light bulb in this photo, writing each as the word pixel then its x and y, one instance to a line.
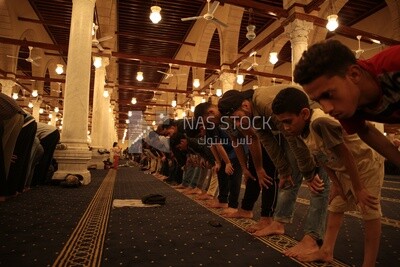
pixel 30 105
pixel 15 96
pixel 127 121
pixel 139 76
pixel 192 108
pixel 155 15
pixel 41 111
pixel 34 93
pixel 97 62
pixel 50 115
pixel 173 103
pixel 153 123
pixel 240 78
pixel 332 22
pixel 56 109
pixel 251 32
pixel 106 93
pixel 129 113
pixel 218 92
pixel 273 57
pixel 59 69
pixel 133 101
pixel 196 83
pixel 203 100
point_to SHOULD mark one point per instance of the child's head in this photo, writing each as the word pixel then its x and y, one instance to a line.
pixel 234 102
pixel 329 75
pixel 206 113
pixel 291 107
pixel 169 127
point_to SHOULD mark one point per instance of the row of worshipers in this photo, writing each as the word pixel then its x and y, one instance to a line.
pixel 279 136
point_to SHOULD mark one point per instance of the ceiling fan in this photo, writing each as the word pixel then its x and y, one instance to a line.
pixel 170 74
pixel 360 51
pixel 254 63
pixel 29 58
pixel 97 42
pixel 209 15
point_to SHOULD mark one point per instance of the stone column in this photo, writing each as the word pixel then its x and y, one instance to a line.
pixel 98 119
pixel 53 118
pixel 228 81
pixel 35 109
pixel 105 132
pixel 297 31
pixel 76 99
pixel 7 87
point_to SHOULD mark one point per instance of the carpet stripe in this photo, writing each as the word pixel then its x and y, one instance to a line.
pixel 85 246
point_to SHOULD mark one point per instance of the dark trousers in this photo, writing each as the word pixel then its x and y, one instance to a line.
pixel 229 185
pixel 49 145
pixel 22 150
pixel 268 195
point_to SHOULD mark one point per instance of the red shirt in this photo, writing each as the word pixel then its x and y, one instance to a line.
pixel 385 68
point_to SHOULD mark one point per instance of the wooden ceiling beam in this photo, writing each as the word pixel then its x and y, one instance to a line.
pixel 5 40
pixel 268 9
pixel 343 29
pixel 163 60
pixel 153 89
pixel 47 22
pixel 130 35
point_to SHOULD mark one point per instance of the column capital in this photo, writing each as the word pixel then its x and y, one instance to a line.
pixel 228 81
pixel 7 82
pixel 7 86
pixel 298 30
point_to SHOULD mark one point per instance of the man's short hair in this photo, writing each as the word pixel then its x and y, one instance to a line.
pixel 329 58
pixel 201 109
pixel 232 100
pixel 290 100
pixel 168 123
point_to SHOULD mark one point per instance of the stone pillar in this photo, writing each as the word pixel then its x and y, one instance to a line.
pixel 297 31
pixel 7 87
pixel 76 99
pixel 53 118
pixel 105 132
pixel 98 118
pixel 35 109
pixel 228 81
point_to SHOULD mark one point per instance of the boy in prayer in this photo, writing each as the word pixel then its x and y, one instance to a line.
pixel 355 169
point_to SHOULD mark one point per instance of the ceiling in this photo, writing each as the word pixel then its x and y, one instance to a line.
pixel 140 45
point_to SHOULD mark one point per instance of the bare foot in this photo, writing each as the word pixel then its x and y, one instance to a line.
pixel 179 186
pixel 262 223
pixel 227 211
pixel 240 214
pixel 306 246
pixel 318 255
pixel 183 190
pixel 275 228
pixel 193 191
pixel 204 197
